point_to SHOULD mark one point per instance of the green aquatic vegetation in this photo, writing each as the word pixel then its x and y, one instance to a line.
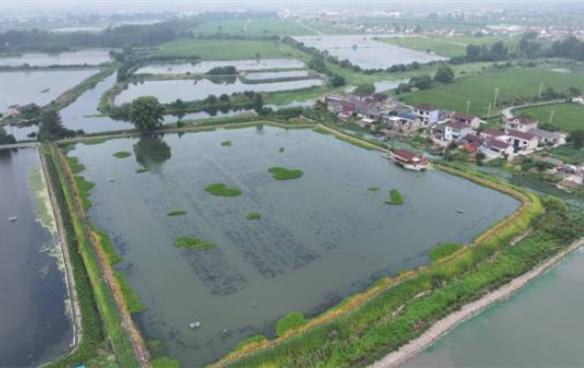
pixel 281 173
pixel 84 187
pixel 133 302
pixel 395 198
pixel 282 149
pixel 374 189
pixel 253 216
pixel 165 362
pixel 75 165
pixel 257 339
pixel 226 144
pixel 108 248
pixel 93 141
pixel 191 242
pixel 289 322
pixel 444 250
pixel 122 154
pixel 177 213
pixel 142 170
pixel 220 189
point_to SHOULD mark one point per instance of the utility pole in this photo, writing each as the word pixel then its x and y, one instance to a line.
pixel 552 113
pixel 540 91
pixel 489 114
pixel 496 96
pixel 467 106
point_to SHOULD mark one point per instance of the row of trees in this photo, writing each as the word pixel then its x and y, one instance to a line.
pixel 444 74
pixel 317 63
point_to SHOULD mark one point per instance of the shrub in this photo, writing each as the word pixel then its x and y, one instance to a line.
pixel 289 322
pixel 253 216
pixel 443 250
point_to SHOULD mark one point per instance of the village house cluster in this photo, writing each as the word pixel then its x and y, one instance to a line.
pixel 520 135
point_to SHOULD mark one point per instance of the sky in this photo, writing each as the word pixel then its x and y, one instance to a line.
pixel 173 5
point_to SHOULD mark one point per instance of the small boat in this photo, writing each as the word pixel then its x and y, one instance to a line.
pixel 12 218
pixel 458 210
pixel 111 179
pixel 195 325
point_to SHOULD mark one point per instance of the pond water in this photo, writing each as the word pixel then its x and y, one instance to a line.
pixel 39 87
pixel 82 57
pixel 34 315
pixel 541 326
pixel 365 51
pixel 205 66
pixel 320 238
pixel 190 90
pixel 277 75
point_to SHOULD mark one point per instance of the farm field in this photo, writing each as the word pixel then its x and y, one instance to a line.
pixel 264 27
pixel 222 49
pixel 235 288
pixel 480 89
pixel 446 46
pixel 567 117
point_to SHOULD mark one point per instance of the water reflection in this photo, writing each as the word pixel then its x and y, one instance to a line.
pixel 151 151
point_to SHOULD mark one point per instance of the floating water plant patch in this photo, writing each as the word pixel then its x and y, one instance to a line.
pixel 220 189
pixel 122 154
pixel 395 198
pixel 177 213
pixel 282 173
pixel 191 242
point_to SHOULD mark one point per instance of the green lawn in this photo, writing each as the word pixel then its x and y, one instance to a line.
pixel 479 89
pixel 264 27
pixel 567 117
pixel 445 45
pixel 568 154
pixel 222 49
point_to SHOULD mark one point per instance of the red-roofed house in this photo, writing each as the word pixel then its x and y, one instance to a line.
pixel 472 120
pixel 521 141
pixel 491 133
pixel 410 160
pixel 428 114
pixel 521 124
pixel 494 148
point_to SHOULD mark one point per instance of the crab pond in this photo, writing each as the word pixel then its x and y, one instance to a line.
pixel 272 246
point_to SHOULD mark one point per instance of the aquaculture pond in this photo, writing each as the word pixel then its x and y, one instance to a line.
pixel 39 87
pixel 541 326
pixel 35 326
pixel 319 238
pixel 365 51
pixel 276 75
pixel 91 57
pixel 205 66
pixel 189 90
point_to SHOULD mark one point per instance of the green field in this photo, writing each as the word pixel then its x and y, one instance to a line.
pixel 567 117
pixel 222 49
pixel 445 45
pixel 264 27
pixel 479 89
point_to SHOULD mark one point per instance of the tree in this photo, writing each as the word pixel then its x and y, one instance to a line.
pixel 577 137
pixel 51 126
pixel 365 89
pixel 317 64
pixel 6 138
pixel 257 102
pixel 423 81
pixel 445 74
pixel 529 45
pixel 146 113
pixel 480 157
pixel 337 81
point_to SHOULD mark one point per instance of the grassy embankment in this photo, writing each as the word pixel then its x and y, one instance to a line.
pixel 101 320
pixel 480 89
pixel 448 46
pixel 394 311
pixel 566 117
